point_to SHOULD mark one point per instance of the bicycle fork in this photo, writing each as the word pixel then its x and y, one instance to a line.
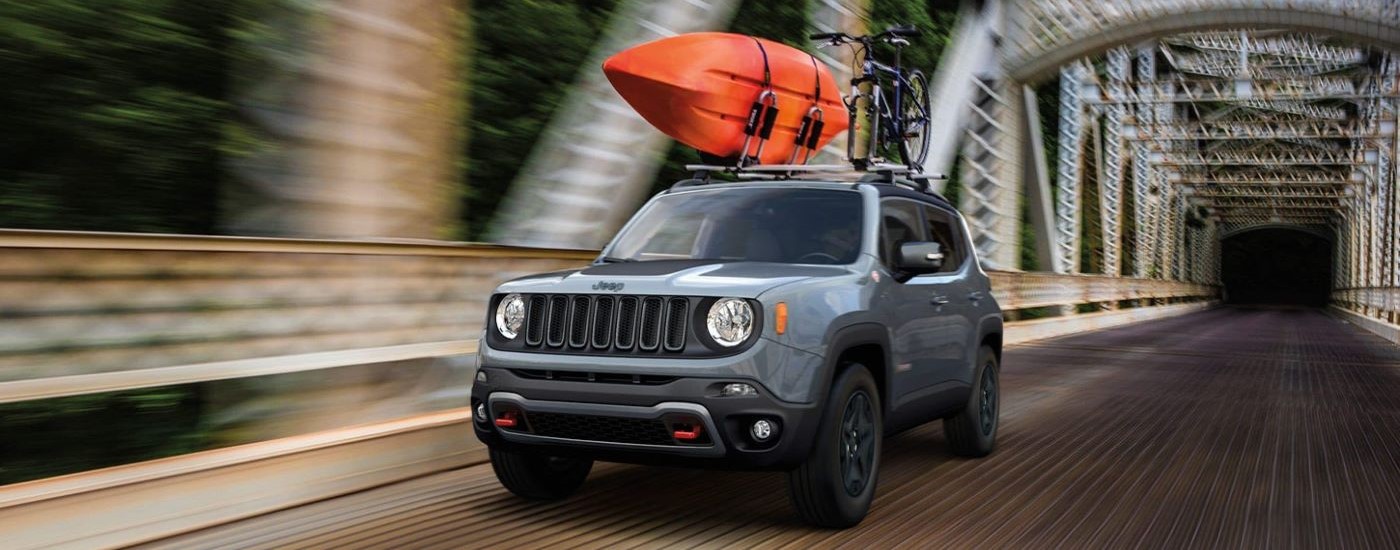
pixel 870 115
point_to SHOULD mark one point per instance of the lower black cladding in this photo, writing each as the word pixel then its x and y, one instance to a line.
pixel 601 428
pixel 601 377
pixel 729 417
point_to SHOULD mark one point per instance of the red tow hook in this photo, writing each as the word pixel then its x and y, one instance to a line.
pixel 506 420
pixel 687 435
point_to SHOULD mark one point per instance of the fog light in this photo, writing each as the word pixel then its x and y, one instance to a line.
pixel 481 412
pixel 737 390
pixel 763 430
pixel 481 377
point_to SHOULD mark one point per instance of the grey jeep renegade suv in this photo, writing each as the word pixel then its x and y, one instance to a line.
pixel 766 325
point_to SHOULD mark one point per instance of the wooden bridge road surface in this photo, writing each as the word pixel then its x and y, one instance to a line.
pixel 1259 428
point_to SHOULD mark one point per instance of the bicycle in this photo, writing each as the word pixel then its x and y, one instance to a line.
pixel 910 98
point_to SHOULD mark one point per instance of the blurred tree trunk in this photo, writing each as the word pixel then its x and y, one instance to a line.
pixel 597 157
pixel 355 106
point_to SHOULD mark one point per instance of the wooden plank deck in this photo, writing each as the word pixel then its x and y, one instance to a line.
pixel 1226 428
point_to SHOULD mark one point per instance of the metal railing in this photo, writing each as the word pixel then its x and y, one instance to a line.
pixel 85 312
pixel 1376 309
pixel 1024 290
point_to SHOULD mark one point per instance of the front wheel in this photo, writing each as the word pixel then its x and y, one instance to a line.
pixel 972 432
pixel 836 484
pixel 539 477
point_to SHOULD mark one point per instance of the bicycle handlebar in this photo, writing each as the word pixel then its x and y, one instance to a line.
pixel 890 34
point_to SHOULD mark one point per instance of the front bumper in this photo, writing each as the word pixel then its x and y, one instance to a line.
pixel 630 422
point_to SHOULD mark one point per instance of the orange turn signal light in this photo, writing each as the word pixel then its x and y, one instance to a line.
pixel 780 317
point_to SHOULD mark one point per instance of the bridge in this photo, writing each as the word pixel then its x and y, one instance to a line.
pixel 1147 401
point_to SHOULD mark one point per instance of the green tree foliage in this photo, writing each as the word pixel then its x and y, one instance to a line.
pixel 525 56
pixel 923 52
pixel 74 434
pixel 114 113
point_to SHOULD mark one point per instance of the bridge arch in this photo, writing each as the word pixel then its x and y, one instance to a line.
pixel 1319 233
pixel 1277 264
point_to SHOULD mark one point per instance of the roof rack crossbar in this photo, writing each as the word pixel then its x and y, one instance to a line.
pixel 893 174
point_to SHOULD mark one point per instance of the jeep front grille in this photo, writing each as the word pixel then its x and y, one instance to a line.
pixel 605 323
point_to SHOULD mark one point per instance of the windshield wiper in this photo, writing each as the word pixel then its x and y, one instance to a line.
pixel 615 260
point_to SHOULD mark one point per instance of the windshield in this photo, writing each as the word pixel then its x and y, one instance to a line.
pixel 805 226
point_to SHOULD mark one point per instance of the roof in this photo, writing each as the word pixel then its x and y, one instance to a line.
pixel 892 190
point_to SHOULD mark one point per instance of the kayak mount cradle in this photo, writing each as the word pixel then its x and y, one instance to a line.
pixel 894 174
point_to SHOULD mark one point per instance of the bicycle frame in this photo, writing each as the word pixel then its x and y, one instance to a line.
pixel 878 108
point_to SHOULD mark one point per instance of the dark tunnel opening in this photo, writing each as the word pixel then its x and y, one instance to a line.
pixel 1276 266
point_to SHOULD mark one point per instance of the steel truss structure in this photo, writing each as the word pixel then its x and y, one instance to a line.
pixel 1224 132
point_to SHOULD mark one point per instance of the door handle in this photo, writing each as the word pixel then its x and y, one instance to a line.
pixel 939 300
pixel 974 296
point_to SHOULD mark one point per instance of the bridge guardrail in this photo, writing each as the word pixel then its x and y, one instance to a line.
pixel 1376 309
pixel 1024 290
pixel 83 308
pixel 1382 303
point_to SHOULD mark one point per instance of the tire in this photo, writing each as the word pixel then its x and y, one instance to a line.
pixel 539 477
pixel 824 493
pixel 915 118
pixel 972 432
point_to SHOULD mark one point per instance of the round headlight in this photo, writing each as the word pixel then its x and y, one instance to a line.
pixel 510 315
pixel 730 321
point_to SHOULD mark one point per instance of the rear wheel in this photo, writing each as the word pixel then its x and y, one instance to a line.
pixel 972 431
pixel 914 122
pixel 539 477
pixel 834 487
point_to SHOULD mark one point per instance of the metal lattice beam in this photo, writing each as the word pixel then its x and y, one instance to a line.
pixel 1070 165
pixel 1111 188
pixel 1259 129
pixel 1259 158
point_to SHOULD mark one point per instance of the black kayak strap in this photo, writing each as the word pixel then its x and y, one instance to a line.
pixel 767 72
pixel 761 116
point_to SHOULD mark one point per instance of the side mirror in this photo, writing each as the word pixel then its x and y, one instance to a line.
pixel 920 257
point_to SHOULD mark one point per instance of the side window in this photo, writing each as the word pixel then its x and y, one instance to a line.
pixel 899 224
pixel 943 229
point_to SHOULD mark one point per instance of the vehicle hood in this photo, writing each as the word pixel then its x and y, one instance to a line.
pixel 673 278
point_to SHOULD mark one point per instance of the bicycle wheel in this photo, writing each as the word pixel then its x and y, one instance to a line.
pixel 914 122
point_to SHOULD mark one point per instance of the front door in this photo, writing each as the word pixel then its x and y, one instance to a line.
pixel 955 299
pixel 919 311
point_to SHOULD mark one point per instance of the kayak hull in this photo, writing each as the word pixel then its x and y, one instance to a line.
pixel 699 88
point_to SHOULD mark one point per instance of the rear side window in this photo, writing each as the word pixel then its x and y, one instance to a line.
pixel 899 223
pixel 943 229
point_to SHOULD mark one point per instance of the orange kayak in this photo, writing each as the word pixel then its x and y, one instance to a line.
pixel 700 88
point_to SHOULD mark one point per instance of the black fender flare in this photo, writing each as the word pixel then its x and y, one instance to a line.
pixel 849 336
pixel 989 326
